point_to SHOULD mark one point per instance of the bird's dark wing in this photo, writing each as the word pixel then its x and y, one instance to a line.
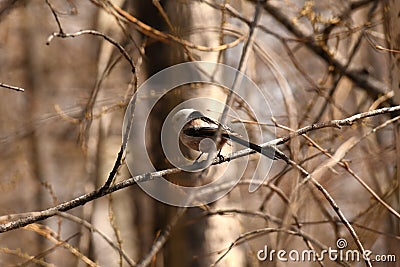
pixel 200 132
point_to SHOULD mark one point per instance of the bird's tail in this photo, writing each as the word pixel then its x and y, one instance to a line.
pixel 268 151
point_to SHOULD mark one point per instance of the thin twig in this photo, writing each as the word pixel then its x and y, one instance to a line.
pixel 83 199
pixel 242 65
pixel 336 123
pixel 371 85
pixel 118 161
pixel 346 166
pixel 102 234
pixel 48 233
pixel 15 88
pixel 162 238
pixel 263 231
pixel 335 207
pixel 240 71
pixel 161 36
pixel 96 33
pixel 60 29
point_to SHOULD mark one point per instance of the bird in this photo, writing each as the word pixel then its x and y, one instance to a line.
pixel 194 128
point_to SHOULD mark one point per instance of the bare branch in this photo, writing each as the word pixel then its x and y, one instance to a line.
pixel 15 88
pixel 165 37
pixel 334 205
pixel 96 33
pixel 371 85
pixel 162 238
pixel 337 123
pixel 89 226
pixel 60 29
pixel 241 70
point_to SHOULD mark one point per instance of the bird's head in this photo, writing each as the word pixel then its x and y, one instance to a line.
pixel 183 116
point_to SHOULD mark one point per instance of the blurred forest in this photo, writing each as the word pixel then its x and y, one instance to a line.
pixel 331 74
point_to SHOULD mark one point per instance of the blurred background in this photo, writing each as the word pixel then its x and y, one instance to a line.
pixel 315 61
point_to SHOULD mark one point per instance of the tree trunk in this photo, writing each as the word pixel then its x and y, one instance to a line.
pixel 191 244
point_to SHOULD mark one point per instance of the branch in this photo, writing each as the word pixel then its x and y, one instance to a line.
pixel 162 238
pixel 92 229
pixel 83 199
pixel 53 11
pixel 6 5
pixel 245 237
pixel 244 57
pixel 336 123
pixel 334 205
pixel 96 33
pixel 15 88
pixel 346 166
pixel 371 85
pixel 158 35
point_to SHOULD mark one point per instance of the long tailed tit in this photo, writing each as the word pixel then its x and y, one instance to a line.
pixel 194 128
